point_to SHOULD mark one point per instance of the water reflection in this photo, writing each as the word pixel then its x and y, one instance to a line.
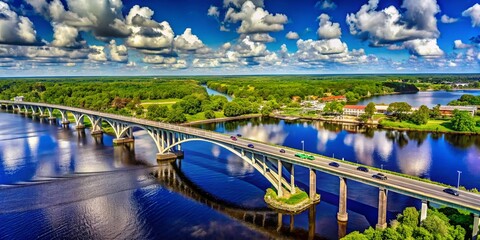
pixel 365 147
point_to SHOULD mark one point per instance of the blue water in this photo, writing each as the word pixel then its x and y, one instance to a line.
pixel 58 183
pixel 430 99
pixel 214 92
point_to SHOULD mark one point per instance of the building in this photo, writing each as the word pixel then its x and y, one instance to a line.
pixel 353 110
pixel 333 99
pixel 18 99
pixel 382 109
pixel 448 110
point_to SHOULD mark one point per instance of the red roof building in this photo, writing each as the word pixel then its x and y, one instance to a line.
pixel 354 110
pixel 334 98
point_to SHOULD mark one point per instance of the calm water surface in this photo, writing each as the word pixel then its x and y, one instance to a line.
pixel 64 183
pixel 430 99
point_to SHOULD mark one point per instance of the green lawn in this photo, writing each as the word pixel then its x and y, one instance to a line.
pixel 201 116
pixel 432 125
pixel 167 102
pixel 298 197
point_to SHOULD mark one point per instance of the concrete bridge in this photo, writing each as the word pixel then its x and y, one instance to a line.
pixel 265 158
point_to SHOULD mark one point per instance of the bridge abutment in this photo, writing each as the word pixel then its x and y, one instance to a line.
pixel 382 209
pixel 342 214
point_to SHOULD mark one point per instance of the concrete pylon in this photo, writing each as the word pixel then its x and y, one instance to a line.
pixel 313 184
pixel 292 178
pixel 423 210
pixel 382 209
pixel 476 225
pixel 342 214
pixel 280 187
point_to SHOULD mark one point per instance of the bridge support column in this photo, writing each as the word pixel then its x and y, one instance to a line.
pixel 342 214
pixel 292 179
pixel 80 127
pixel 313 184
pixel 382 209
pixel 476 225
pixel 280 187
pixel 423 210
pixel 129 142
pixel 312 217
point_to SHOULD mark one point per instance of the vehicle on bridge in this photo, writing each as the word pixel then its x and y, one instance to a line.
pixel 451 191
pixel 239 135
pixel 380 176
pixel 363 169
pixel 304 156
pixel 250 145
pixel 233 138
pixel 334 164
pixel 282 150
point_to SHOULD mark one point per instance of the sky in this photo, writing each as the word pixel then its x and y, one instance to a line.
pixel 237 37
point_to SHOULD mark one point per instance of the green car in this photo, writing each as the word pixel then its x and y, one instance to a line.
pixel 304 156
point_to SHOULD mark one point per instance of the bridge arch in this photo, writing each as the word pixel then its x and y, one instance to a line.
pixel 158 140
pixel 272 180
pixel 112 125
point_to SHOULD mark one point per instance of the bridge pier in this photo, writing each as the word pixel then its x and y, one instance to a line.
pixel 80 127
pixel 476 225
pixel 382 209
pixel 129 142
pixel 342 214
pixel 423 210
pixel 280 187
pixel 313 184
pixel 292 179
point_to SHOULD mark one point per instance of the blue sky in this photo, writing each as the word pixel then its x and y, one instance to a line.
pixel 192 37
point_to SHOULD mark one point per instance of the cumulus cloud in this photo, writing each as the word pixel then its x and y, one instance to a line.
pixel 249 48
pixel 326 4
pixel 15 29
pixel 389 26
pixel 213 12
pixel 239 3
pixel 255 19
pixel 458 44
pixel 118 53
pixel 187 41
pixel 327 29
pixel 97 53
pixel 147 33
pixel 65 36
pixel 474 13
pixel 447 19
pixel 292 35
pixel 261 37
pixel 424 47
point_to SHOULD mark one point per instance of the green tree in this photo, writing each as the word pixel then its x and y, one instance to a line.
pixel 232 109
pixel 266 110
pixel 333 108
pixel 421 116
pixel 370 109
pixel 400 110
pixel 435 112
pixel 209 114
pixel 355 236
pixel 462 121
pixel 409 217
pixel 176 116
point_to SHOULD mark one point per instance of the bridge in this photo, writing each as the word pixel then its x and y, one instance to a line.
pixel 265 158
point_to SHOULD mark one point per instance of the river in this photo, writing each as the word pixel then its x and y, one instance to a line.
pixel 63 183
pixel 215 92
pixel 430 98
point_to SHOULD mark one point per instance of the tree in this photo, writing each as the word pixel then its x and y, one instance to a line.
pixel 421 116
pixel 209 114
pixel 176 116
pixel 435 112
pixel 266 110
pixel 333 107
pixel 155 111
pixel 399 110
pixel 370 109
pixel 409 217
pixel 232 109
pixel 462 121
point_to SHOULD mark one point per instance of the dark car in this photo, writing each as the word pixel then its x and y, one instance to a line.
pixel 239 135
pixel 363 169
pixel 250 145
pixel 334 164
pixel 282 150
pixel 234 138
pixel 380 176
pixel 451 191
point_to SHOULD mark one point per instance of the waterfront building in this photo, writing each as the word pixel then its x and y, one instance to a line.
pixel 18 99
pixel 334 99
pixel 354 110
pixel 448 110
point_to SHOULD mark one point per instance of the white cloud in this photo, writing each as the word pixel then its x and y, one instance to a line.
pixel 239 3
pixel 292 35
pixel 326 4
pixel 447 19
pixel 327 29
pixel 424 47
pixel 15 29
pixel 261 37
pixel 65 36
pixel 474 13
pixel 458 44
pixel 187 41
pixel 97 53
pixel 153 59
pixel 255 19
pixel 213 11
pixel 118 53
pixel 248 48
pixel 389 26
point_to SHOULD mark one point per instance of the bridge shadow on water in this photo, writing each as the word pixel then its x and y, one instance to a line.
pixel 261 219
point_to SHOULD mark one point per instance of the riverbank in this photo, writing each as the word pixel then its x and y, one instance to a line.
pixel 291 203
pixel 432 126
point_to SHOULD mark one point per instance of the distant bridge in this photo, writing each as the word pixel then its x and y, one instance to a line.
pixel 265 158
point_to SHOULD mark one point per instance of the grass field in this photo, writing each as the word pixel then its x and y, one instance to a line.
pixel 201 116
pixel 167 102
pixel 432 125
